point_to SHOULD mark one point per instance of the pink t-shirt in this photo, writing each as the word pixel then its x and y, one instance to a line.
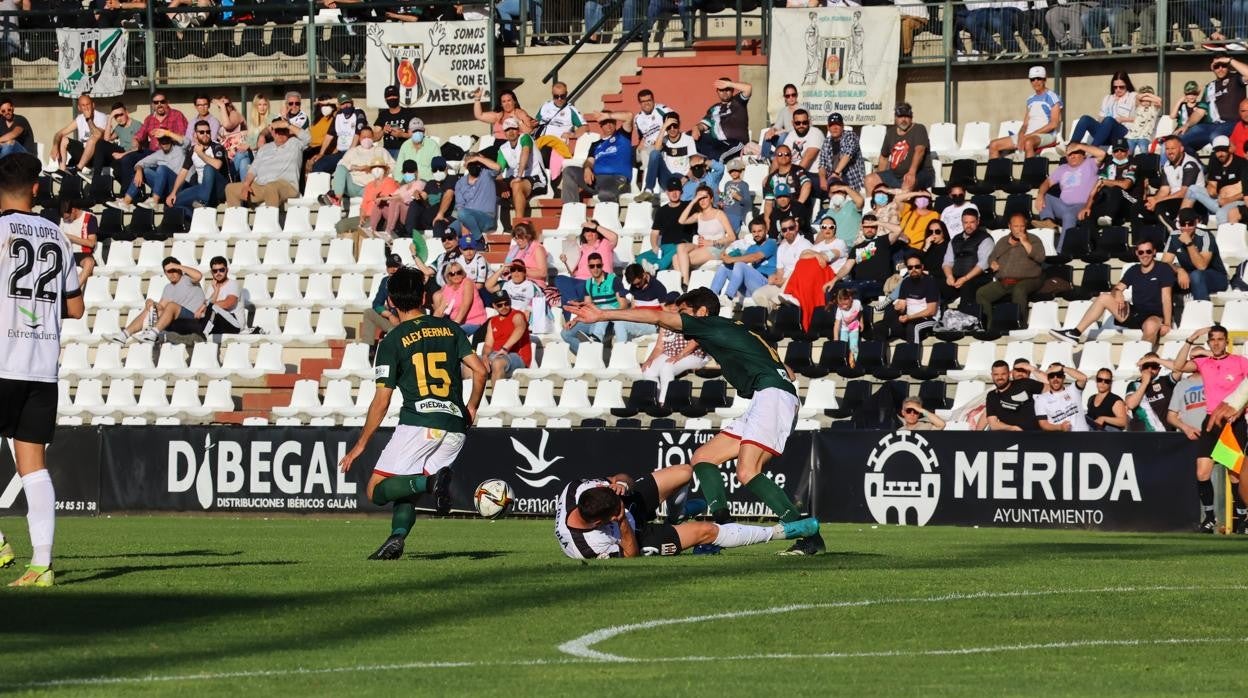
pixel 1222 376
pixel 604 248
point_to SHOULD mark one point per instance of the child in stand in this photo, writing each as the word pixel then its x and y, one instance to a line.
pixel 848 322
pixel 738 200
pixel 394 206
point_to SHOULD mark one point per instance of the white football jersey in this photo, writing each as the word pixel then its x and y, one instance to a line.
pixel 600 543
pixel 38 274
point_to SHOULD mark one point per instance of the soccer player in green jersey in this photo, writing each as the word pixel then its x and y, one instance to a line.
pixel 754 369
pixel 422 357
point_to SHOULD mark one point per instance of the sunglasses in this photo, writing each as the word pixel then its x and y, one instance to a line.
pixel 204 133
pixel 173 271
pixel 1104 380
pixel 914 266
pixel 784 155
pixel 790 94
pixel 218 270
pixel 909 410
pixel 827 227
pixel 935 231
pixel 1037 79
pixel 1144 253
pixel 517 271
pixel 673 127
pixel 502 304
pixel 558 96
pixel 1057 374
pixel 595 266
pixel 160 101
pixel 801 123
pixel 789 229
pixel 293 104
pixel 1118 85
pixel 1150 366
pixel 1187 224
pixel 454 273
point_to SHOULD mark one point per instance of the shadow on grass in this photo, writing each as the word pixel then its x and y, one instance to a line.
pixel 140 556
pixel 77 577
pixel 453 554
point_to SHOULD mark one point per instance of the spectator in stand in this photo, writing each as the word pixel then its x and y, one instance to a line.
pixel 529 252
pixel 294 114
pixel 966 261
pixel 738 200
pixel 703 172
pixel 790 249
pixel 1106 411
pixel 509 16
pixel 1117 110
pixel 914 17
pixel 934 248
pixel 1017 262
pixel 458 300
pixel 725 129
pixel 604 290
pixel 1042 120
pixel 1077 179
pixel 1010 405
pixel 644 291
pixel 1118 16
pixel 396 122
pixel 1191 115
pixel 560 120
pixel 1224 183
pixel 715 233
pixel 203 172
pixel 667 233
pixel 951 214
pixel 74 145
pixel 508 106
pixel 182 299
pixel 426 204
pixel 915 417
pixel 608 171
pixel 80 227
pixel 203 107
pixel 475 199
pixel 259 131
pixel 917 307
pixel 322 121
pixel 657 8
pixel 16 136
pixel 916 215
pixel 516 286
pixel 273 178
pixel 1239 134
pixel 795 179
pixel 163 121
pixel 1143 124
pixel 418 149
pixel 670 157
pixel 380 317
pixel 362 163
pixel 840 158
pixel 385 198
pixel 847 323
pixel 435 273
pixel 784 206
pixel 475 266
pixel 872 259
pixel 782 124
pixel 672 355
pixel 1111 197
pixel 1065 21
pixel 233 133
pixel 594 240
pixel 746 270
pixel 648 124
pixel 1180 172
pixel 1222 95
pixel 1148 397
pixel 521 173
pixel 118 140
pixel 220 311
pixel 906 155
pixel 831 252
pixel 1060 406
pixel 845 207
pixel 508 345
pixel 349 127
pixel 804 140
pixel 1151 307
pixel 157 170
pixel 887 210
pixel 1194 255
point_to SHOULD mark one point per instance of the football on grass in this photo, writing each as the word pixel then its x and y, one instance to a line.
pixel 493 498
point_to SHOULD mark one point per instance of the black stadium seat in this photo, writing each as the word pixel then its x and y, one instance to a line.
pixel 714 395
pixel 663 423
pixel 643 396
pixel 906 357
pixel 834 358
pixel 986 204
pixel 856 393
pixel 997 177
pixel 821 323
pixel 787 322
pixel 628 423
pixel 798 356
pixel 1017 203
pixel 1035 171
pixel 1095 278
pixel 680 399
pixel 962 172
pixel 932 394
pixel 755 320
pixel 943 358
pixel 593 423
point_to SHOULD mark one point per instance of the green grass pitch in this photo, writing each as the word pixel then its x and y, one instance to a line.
pixel 203 606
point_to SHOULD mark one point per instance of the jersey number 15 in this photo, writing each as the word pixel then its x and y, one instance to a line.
pixel 431 375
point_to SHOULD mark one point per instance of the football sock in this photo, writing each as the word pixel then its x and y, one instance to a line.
pixel 1205 488
pixel 395 488
pixel 712 484
pixel 736 535
pixel 40 515
pixel 774 497
pixel 1239 503
pixel 402 518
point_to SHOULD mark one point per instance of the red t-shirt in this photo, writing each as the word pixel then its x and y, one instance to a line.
pixel 502 326
pixel 1239 136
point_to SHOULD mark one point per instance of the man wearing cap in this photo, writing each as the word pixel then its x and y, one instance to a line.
pixel 796 180
pixel 1180 171
pixel 1077 179
pixel 349 123
pixel 380 317
pixel 1042 120
pixel 738 200
pixel 419 149
pixel 608 170
pixel 508 345
pixel 397 123
pixel 781 206
pixel 513 281
pixel 521 173
pixel 426 204
pixel 906 155
pixel 840 158
pixel 1191 111
pixel 804 139
pixel 667 233
pixel 1194 255
pixel 1222 95
pixel 1148 110
pixel 725 129
pixel 1111 198
pixel 1224 183
pixel 475 199
pixel 435 273
pixel 273 178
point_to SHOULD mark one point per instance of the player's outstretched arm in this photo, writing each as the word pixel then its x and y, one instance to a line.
pixel 376 412
pixel 590 313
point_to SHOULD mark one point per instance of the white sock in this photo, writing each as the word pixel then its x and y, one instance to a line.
pixel 40 515
pixel 736 535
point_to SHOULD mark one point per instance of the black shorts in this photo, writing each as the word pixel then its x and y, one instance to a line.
pixel 1209 438
pixel 79 256
pixel 643 504
pixel 1135 319
pixel 27 410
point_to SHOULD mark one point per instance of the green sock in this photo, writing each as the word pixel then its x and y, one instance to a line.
pixel 774 497
pixel 712 484
pixel 395 488
pixel 402 519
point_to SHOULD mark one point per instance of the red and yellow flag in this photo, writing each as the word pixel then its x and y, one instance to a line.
pixel 1228 451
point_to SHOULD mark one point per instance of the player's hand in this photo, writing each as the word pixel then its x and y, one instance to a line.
pixel 1223 414
pixel 585 312
pixel 619 488
pixel 345 464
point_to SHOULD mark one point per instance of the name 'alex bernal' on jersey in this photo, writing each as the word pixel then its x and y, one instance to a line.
pixel 421 357
pixel 748 362
pixel 38 274
pixel 595 543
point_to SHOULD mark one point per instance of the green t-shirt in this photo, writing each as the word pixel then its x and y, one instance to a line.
pixel 749 363
pixel 422 357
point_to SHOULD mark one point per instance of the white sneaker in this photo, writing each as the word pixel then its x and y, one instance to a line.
pixel 150 204
pixel 881 303
pixel 118 337
pixel 120 204
pixel 147 336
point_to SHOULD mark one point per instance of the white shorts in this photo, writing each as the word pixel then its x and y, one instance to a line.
pixel 418 451
pixel 768 420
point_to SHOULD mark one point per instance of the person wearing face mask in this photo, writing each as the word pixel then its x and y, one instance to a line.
pixel 419 149
pixel 702 172
pixel 845 207
pixel 360 165
pixel 951 215
pixel 348 127
pixel 906 155
pixel 916 214
pixel 426 203
pixel 475 200
pixel 887 209
pixel 395 122
pixel 393 202
pixel 1111 199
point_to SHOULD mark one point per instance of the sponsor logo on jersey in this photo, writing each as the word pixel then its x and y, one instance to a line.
pixel 381 372
pixel 432 405
pixel 32 318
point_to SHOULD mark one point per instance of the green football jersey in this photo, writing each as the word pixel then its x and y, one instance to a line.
pixel 749 363
pixel 422 359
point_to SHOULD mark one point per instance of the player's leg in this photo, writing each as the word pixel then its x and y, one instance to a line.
pixel 734 535
pixel 1204 486
pixel 670 480
pixel 33 428
pixel 706 461
pixel 764 429
pixel 400 477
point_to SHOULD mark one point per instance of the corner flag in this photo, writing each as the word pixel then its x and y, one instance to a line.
pixel 1228 451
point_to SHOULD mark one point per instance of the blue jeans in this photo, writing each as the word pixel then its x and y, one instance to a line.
pixel 625 331
pixel 737 212
pixel 10 148
pixel 1138 145
pixel 1205 282
pixel 1201 135
pixel 1104 132
pixel 205 191
pixel 657 8
pixel 329 163
pixel 597 329
pixel 1116 17
pixel 474 224
pixel 657 173
pixel 159 181
pixel 242 163
pixel 509 10
pixel 1068 214
pixel 982 24
pixel 1202 197
pixel 737 276
pixel 1235 19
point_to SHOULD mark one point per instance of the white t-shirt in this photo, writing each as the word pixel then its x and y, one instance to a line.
pixel 788 253
pixel 850 319
pixel 559 120
pixel 649 127
pixel 38 274
pixel 835 251
pixel 800 144
pixel 952 216
pixel 522 294
pixel 84 133
pixel 676 154
pixel 598 543
pixel 478 270
pixel 1063 406
pixel 229 288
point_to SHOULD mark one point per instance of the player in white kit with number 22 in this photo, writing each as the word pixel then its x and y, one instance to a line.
pixel 38 287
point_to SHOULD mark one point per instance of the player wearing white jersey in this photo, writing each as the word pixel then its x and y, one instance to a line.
pixel 38 287
pixel 604 518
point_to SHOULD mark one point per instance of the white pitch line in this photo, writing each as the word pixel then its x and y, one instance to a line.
pixel 593 657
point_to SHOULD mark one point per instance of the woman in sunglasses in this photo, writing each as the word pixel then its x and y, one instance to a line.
pixel 459 300
pixel 915 418
pixel 1106 411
